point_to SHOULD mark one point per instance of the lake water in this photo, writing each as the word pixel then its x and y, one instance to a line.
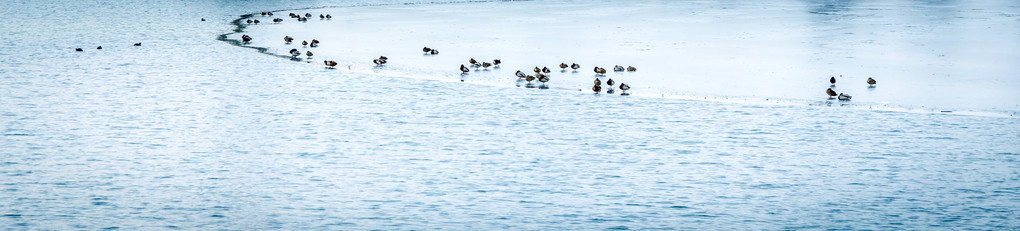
pixel 189 132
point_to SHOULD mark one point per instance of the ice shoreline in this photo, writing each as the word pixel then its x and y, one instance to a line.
pixel 360 67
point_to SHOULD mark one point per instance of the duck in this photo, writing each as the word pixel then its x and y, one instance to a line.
pixel 832 80
pixel 203 19
pixel 426 50
pixel 529 78
pixel 476 65
pixel 463 69
pixel 378 62
pixel 383 58
pixel 537 70
pixel 245 38
pixel 618 68
pixel 309 54
pixel 78 49
pixel 308 15
pixel 623 88
pixel 302 19
pixel 871 82
pixel 844 97
pixel 543 78
pixel 277 20
pixel 486 65
pixel 292 15
pixel 575 66
pixel 610 82
pixel 434 52
pixel 304 42
pixel 600 71
pixel 295 53
pixel 138 44
pixel 256 21
pixel 563 66
pixel 472 61
pixel 520 74
pixel 546 70
pixel 263 13
pixel 330 63
pixel 631 68
pixel 329 16
pixel 269 13
pixel 322 17
pixel 598 82
pixel 830 92
pixel 287 39
pixel 314 44
pixel 596 89
pixel 248 21
pixel 496 62
pixel 99 48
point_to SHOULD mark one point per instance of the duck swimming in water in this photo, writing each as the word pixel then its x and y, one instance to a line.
pixel 99 48
pixel 871 82
pixel 830 92
pixel 78 49
pixel 140 44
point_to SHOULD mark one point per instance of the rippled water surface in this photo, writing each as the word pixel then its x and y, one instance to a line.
pixel 190 132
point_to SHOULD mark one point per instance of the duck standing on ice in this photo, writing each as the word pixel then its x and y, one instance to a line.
pixel 623 89
pixel 294 53
pixel 830 92
pixel 871 82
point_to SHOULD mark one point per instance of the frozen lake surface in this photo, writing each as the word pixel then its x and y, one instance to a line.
pixel 189 132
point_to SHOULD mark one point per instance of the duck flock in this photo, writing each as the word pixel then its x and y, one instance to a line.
pixel 542 75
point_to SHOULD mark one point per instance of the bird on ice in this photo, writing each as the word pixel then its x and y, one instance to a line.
pixel 871 82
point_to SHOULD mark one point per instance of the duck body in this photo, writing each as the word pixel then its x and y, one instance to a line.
pixel 463 69
pixel 844 97
pixel 871 82
pixel 618 68
pixel 830 92
pixel 575 66
pixel 631 68
pixel 623 88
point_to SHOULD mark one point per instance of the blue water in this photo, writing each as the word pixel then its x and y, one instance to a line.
pixel 188 132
